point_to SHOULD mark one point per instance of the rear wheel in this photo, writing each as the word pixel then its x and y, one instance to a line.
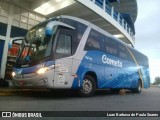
pixel 88 86
pixel 138 89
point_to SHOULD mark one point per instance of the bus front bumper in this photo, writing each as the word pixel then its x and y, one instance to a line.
pixel 34 80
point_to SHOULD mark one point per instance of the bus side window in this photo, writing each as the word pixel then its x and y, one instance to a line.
pixel 80 28
pixel 77 33
pixel 64 44
pixel 92 44
pixel 123 53
pixel 141 59
pixel 111 46
pixel 95 41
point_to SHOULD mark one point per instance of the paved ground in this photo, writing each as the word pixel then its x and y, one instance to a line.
pixel 25 100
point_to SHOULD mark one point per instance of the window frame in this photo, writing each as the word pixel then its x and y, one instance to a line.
pixel 65 31
pixel 114 44
pixel 58 41
pixel 100 41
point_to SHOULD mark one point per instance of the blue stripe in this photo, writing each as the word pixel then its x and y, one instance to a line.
pixel 33 69
pixel 108 76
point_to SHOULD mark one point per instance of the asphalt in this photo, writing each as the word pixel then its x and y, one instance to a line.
pixel 104 100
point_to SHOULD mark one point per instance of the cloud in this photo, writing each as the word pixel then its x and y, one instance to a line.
pixel 147 8
pixel 154 68
pixel 148 33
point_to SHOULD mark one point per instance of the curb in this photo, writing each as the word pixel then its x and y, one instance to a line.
pixel 13 91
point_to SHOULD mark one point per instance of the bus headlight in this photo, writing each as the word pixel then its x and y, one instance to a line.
pixel 13 74
pixel 42 70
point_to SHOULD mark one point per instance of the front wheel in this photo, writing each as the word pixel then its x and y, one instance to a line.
pixel 88 86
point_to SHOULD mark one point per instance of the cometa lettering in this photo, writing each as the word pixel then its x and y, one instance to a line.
pixel 109 61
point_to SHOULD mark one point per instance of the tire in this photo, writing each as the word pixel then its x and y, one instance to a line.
pixel 138 89
pixel 88 87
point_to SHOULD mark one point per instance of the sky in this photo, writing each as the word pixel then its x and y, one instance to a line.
pixel 147 35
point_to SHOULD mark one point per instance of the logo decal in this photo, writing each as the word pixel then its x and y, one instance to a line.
pixel 110 61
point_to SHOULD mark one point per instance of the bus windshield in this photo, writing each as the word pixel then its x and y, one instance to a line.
pixel 36 45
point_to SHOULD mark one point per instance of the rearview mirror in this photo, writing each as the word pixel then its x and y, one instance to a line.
pixel 48 31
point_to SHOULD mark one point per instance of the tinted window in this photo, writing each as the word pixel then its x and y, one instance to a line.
pixel 16 31
pixel 3 29
pixel 77 33
pixel 124 53
pixel 79 27
pixel 111 46
pixel 140 58
pixel 64 44
pixel 95 41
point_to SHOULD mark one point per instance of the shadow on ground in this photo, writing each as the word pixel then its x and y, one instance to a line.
pixel 58 94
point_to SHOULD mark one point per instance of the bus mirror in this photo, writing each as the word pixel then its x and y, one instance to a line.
pixel 48 31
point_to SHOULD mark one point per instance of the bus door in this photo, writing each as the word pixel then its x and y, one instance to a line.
pixel 63 58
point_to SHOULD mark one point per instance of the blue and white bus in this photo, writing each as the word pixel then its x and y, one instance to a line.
pixel 70 53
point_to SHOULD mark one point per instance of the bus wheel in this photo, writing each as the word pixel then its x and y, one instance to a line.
pixel 138 89
pixel 88 86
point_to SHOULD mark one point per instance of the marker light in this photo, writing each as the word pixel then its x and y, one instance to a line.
pixel 42 70
pixel 13 74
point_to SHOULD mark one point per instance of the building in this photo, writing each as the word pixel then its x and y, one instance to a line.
pixel 17 16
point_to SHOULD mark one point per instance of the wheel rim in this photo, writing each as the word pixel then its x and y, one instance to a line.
pixel 87 86
pixel 139 88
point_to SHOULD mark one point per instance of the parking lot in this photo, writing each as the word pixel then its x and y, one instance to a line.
pixel 25 100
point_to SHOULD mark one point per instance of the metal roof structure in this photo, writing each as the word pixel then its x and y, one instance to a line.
pixel 107 14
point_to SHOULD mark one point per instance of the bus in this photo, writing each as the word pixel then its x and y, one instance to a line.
pixel 67 52
pixel 13 47
pixel 11 54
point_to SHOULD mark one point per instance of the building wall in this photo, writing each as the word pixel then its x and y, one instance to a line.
pixel 14 22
